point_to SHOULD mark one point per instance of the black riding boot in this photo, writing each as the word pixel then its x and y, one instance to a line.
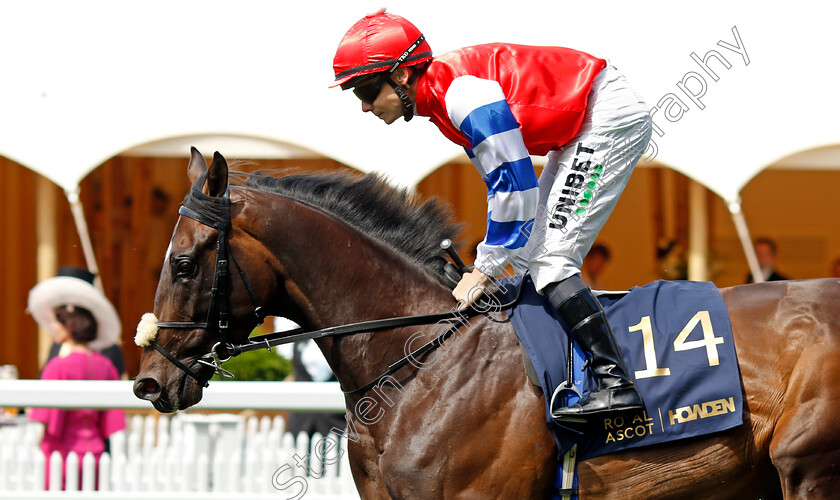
pixel 588 324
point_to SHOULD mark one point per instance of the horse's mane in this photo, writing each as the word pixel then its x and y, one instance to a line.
pixel 367 203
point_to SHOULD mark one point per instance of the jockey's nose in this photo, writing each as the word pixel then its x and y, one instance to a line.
pixel 366 107
pixel 147 388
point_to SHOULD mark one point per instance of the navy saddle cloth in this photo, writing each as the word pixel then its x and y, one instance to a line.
pixel 676 341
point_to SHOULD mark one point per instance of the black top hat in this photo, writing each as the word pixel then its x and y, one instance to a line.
pixel 76 272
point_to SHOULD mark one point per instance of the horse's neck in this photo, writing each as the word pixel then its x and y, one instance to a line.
pixel 335 275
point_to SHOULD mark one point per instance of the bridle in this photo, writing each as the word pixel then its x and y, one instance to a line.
pixel 218 314
pixel 218 310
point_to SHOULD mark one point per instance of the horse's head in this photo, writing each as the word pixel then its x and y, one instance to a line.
pixel 204 299
pixel 322 250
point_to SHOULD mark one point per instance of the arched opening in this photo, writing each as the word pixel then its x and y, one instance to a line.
pixel 795 202
pixel 130 205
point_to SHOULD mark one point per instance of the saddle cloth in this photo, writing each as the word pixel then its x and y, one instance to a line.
pixel 676 341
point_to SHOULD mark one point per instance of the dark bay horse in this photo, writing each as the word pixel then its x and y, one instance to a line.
pixel 331 250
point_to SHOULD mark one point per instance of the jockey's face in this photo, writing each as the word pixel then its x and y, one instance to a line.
pixel 387 105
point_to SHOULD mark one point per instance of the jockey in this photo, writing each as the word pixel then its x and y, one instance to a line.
pixel 503 103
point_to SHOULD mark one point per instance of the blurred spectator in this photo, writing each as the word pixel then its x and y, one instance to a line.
pixel 113 352
pixel 593 265
pixel 765 251
pixel 835 268
pixel 309 365
pixel 671 259
pixel 81 320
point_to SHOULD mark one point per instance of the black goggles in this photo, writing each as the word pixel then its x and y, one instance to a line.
pixel 369 91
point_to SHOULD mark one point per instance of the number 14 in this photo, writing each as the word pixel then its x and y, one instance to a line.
pixel 680 343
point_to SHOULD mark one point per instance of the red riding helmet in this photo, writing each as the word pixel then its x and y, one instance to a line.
pixel 379 42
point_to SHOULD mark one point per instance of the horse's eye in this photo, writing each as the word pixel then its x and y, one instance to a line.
pixel 185 267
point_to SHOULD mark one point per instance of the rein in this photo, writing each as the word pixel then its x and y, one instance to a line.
pixel 455 318
pixel 219 310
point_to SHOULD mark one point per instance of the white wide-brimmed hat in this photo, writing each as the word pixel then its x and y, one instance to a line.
pixel 74 286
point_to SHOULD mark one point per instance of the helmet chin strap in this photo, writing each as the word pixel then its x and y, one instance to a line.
pixel 402 93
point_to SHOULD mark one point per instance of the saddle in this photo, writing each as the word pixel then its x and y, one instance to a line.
pixel 676 340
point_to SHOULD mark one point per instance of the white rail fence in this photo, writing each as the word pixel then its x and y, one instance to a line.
pixel 187 455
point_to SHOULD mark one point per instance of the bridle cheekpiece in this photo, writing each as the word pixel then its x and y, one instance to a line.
pixel 218 311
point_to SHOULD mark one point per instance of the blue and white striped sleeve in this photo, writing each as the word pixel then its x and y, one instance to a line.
pixel 480 111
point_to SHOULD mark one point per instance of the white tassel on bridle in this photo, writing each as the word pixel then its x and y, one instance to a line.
pixel 147 330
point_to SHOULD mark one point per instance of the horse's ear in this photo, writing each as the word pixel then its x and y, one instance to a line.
pixel 217 176
pixel 197 166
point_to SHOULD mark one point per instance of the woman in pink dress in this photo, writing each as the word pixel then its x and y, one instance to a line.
pixel 81 318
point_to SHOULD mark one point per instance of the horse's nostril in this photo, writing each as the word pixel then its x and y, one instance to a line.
pixel 147 388
pixel 150 386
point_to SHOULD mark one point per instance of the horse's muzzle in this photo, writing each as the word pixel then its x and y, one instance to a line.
pixel 147 388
